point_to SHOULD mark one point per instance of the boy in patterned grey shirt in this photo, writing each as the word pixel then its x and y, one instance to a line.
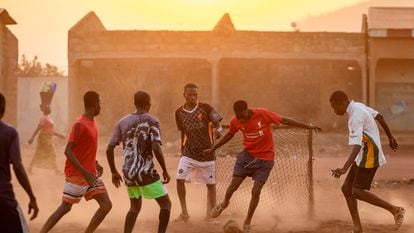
pixel 140 135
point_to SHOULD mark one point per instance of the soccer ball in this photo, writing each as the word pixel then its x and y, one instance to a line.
pixel 232 227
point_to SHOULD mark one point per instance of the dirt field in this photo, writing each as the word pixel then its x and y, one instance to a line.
pixel 331 215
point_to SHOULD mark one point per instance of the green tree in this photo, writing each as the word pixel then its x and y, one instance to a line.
pixel 34 68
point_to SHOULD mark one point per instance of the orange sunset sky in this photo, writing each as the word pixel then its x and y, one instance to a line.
pixel 43 24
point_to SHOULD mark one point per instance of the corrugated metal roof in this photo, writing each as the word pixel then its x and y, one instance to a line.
pixel 391 18
pixel 5 18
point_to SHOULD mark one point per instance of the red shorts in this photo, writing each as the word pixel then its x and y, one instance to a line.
pixel 76 187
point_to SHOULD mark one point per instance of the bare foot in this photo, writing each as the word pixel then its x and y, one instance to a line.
pixel 216 211
pixel 182 218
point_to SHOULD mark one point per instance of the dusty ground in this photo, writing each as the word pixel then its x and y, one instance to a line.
pixel 331 215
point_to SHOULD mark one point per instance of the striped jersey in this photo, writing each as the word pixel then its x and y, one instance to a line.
pixel 363 131
pixel 196 125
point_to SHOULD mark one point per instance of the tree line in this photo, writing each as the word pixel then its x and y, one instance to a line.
pixel 34 68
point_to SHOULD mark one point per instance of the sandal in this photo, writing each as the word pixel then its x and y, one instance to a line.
pixel 216 211
pixel 182 218
pixel 399 218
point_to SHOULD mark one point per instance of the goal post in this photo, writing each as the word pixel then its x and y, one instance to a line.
pixel 289 188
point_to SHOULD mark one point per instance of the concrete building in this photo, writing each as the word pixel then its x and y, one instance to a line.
pixel 8 64
pixel 292 73
pixel 289 72
pixel 391 64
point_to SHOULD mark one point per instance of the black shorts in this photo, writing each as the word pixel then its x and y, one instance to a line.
pixel 10 220
pixel 247 165
pixel 361 177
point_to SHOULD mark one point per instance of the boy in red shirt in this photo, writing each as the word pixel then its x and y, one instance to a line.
pixel 81 168
pixel 257 158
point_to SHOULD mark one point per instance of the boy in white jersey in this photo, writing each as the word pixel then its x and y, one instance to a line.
pixel 365 158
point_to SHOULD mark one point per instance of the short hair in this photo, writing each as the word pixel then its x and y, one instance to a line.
pixel 2 105
pixel 240 106
pixel 189 85
pixel 338 96
pixel 90 99
pixel 141 99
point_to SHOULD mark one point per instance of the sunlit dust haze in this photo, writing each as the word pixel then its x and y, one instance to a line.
pixel 293 73
pixel 42 25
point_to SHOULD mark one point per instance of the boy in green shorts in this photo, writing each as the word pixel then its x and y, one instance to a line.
pixel 140 135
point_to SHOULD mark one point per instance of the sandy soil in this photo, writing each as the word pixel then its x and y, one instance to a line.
pixel 331 215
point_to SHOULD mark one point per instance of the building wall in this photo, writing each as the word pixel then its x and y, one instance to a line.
pixel 206 43
pixel 392 80
pixel 290 72
pixel 8 64
pixel 295 88
pixel 2 64
pixel 116 80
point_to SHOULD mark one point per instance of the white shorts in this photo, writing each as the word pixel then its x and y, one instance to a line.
pixel 204 172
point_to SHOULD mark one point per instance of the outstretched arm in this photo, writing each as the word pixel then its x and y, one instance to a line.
pixel 227 137
pixel 59 135
pixel 393 142
pixel 156 147
pixel 294 123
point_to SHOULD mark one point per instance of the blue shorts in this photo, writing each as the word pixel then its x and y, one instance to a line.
pixel 247 165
